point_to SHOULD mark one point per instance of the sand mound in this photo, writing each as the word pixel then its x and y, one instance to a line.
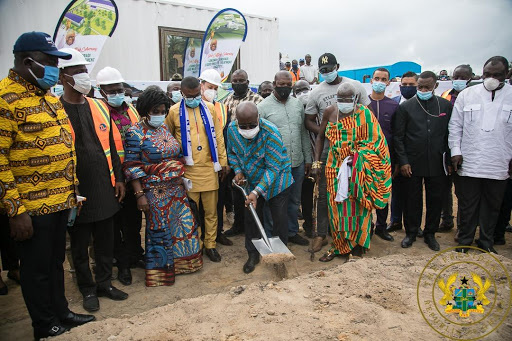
pixel 363 299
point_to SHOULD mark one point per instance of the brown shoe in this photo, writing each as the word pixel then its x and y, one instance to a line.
pixel 327 257
pixel 317 243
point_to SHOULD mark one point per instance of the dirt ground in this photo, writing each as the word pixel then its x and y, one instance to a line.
pixel 369 298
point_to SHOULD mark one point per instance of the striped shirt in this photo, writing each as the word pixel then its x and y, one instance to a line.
pixel 37 157
pixel 262 160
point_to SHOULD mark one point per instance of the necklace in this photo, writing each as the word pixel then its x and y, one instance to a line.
pixel 426 112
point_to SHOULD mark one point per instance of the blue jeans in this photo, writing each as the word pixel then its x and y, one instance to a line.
pixel 293 204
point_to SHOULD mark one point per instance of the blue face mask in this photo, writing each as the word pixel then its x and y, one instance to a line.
pixel 58 90
pixel 424 95
pixel 156 120
pixel 50 78
pixel 330 76
pixel 193 102
pixel 116 100
pixel 378 87
pixel 459 84
pixel 345 107
pixel 176 96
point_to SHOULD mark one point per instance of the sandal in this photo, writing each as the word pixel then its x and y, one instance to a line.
pixel 329 256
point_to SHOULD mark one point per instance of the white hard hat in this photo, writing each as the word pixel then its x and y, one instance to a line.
pixel 76 58
pixel 108 75
pixel 211 76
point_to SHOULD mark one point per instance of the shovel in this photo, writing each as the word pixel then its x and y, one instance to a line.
pixel 271 248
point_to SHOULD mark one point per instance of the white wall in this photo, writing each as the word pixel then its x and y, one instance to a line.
pixel 134 46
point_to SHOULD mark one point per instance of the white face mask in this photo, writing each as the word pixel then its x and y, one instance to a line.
pixel 491 83
pixel 82 82
pixel 210 95
pixel 303 97
pixel 249 134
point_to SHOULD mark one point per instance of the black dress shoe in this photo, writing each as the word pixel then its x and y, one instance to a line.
pixel 394 227
pixel 91 303
pixel 382 233
pixel 113 293
pixel 446 226
pixel 75 320
pixel 254 258
pixel 407 241
pixel 4 290
pixel 52 331
pixel 299 240
pixel 124 276
pixel 223 240
pixel 490 249
pixel 462 249
pixel 431 241
pixel 234 231
pixel 213 254
pixel 499 241
pixel 420 233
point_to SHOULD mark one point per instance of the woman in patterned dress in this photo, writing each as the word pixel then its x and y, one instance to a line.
pixel 154 167
pixel 354 134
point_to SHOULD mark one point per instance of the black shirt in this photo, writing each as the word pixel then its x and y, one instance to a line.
pixel 420 138
pixel 92 167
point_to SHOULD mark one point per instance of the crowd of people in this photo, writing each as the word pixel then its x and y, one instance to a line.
pixel 93 167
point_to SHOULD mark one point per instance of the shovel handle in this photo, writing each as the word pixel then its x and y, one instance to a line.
pixel 255 216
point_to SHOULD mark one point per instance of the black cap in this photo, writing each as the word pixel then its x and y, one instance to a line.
pixel 326 60
pixel 38 41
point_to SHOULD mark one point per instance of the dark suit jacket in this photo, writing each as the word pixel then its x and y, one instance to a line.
pixel 420 139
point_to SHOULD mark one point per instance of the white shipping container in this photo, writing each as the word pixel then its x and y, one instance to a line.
pixel 134 48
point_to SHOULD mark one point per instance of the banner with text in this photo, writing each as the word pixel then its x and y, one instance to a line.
pixel 85 25
pixel 222 40
pixel 192 58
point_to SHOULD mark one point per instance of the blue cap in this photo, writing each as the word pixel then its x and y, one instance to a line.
pixel 38 41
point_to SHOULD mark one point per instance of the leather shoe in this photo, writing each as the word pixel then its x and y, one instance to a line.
pixel 213 254
pixel 382 233
pixel 318 243
pixel 431 241
pixel 91 303
pixel 75 320
pixel 52 331
pixel 446 226
pixel 4 290
pixel 394 227
pixel 254 258
pixel 113 293
pixel 234 231
pixel 462 249
pixel 299 240
pixel 407 241
pixel 420 233
pixel 124 276
pixel 223 240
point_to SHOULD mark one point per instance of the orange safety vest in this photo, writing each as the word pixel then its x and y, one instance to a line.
pixel 295 77
pixel 222 113
pixel 134 118
pixel 447 95
pixel 101 121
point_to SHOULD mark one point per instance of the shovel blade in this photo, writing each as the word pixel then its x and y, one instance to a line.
pixel 276 246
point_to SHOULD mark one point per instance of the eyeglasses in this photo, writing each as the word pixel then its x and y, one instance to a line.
pixel 346 99
pixel 247 126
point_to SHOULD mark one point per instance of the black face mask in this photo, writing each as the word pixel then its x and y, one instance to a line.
pixel 283 91
pixel 240 89
pixel 408 91
pixel 265 95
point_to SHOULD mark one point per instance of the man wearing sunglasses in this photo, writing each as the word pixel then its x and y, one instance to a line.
pixel 323 96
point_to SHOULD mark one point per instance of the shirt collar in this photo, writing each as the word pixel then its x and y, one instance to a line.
pixel 29 87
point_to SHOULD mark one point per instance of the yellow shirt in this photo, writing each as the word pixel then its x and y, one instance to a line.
pixel 203 176
pixel 37 156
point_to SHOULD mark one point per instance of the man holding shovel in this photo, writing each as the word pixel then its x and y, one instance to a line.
pixel 257 155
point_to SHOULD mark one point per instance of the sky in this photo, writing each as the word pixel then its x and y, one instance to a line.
pixel 437 34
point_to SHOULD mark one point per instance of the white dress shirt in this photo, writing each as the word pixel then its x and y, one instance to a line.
pixel 309 72
pixel 480 130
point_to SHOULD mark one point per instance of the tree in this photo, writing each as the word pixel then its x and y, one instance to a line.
pixel 87 31
pixel 97 21
pixel 110 15
pixel 103 25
